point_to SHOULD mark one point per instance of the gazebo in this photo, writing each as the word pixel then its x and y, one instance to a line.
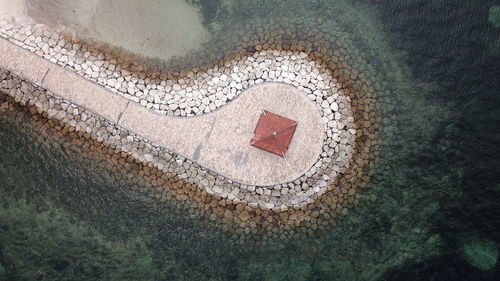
pixel 273 133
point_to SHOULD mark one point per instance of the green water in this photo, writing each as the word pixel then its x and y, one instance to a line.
pixel 432 212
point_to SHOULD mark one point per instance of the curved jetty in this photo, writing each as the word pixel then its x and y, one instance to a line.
pixel 191 131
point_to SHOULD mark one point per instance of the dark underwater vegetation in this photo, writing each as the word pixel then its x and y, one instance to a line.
pixel 433 212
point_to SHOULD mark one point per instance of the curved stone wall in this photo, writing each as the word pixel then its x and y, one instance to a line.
pixel 311 202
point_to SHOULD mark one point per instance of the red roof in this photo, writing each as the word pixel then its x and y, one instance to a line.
pixel 273 133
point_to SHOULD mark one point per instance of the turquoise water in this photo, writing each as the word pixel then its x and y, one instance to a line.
pixel 432 212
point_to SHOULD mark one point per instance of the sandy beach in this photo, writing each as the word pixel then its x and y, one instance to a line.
pixel 161 29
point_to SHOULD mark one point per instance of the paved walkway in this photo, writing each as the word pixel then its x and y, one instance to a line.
pixel 218 140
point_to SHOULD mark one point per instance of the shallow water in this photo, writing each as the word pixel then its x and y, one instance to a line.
pixel 432 213
pixel 158 29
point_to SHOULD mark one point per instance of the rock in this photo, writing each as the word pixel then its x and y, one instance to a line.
pixel 481 253
pixel 334 106
pixel 244 216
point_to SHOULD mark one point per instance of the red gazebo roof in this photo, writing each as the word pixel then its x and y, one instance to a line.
pixel 273 133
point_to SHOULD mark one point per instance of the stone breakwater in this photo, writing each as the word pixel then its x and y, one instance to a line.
pixel 305 205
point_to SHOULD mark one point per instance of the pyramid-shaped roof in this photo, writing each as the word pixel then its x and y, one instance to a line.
pixel 273 133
